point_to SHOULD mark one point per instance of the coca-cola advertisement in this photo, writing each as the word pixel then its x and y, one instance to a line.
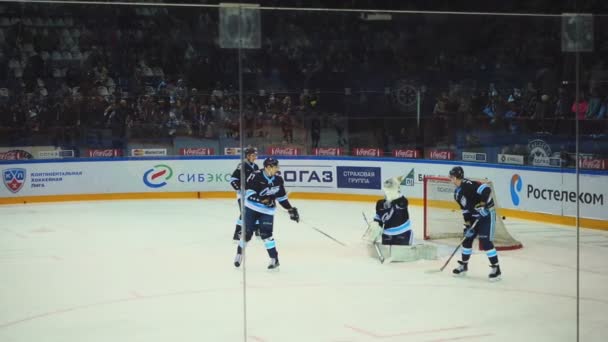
pixel 593 164
pixel 441 154
pixel 104 153
pixel 407 153
pixel 367 152
pixel 196 151
pixel 15 155
pixel 328 151
pixel 283 151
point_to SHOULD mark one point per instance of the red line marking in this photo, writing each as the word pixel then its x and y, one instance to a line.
pixel 406 333
pixel 97 304
pixel 427 331
pixel 460 338
pixel 364 332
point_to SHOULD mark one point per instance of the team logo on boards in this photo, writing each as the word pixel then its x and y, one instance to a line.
pixel 516 186
pixel 540 152
pixel 14 179
pixel 409 179
pixel 157 176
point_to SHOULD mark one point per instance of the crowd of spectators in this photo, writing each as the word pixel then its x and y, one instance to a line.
pixel 146 72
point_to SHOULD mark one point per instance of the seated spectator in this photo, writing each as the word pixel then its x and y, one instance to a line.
pixel 580 109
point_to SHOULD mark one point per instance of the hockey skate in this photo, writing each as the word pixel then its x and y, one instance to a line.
pixel 274 263
pixel 237 260
pixel 495 273
pixel 461 269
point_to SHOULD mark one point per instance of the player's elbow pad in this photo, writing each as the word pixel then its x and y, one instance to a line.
pixel 487 193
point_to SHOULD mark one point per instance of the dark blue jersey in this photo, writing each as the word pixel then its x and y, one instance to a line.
pixel 235 180
pixel 262 192
pixel 393 216
pixel 471 195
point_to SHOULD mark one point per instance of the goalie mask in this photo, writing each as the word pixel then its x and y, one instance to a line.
pixel 392 188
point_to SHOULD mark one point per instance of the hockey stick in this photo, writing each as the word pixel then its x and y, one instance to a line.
pixel 324 233
pixel 375 243
pixel 456 249
pixel 329 236
pixel 320 231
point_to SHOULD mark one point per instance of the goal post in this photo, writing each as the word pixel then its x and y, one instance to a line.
pixel 443 217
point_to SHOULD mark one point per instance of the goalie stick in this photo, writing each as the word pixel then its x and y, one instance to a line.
pixel 455 250
pixel 375 243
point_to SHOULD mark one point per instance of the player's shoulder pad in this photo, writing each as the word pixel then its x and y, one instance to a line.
pixel 468 181
pixel 401 201
pixel 380 204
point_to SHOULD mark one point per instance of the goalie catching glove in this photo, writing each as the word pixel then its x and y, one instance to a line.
pixel 293 214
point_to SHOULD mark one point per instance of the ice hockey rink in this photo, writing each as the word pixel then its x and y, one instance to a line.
pixel 161 270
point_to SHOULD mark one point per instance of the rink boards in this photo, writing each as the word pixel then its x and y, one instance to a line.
pixel 545 194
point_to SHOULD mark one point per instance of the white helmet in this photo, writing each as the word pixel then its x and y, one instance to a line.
pixel 392 188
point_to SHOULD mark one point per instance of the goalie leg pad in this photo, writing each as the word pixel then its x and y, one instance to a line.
pixel 400 253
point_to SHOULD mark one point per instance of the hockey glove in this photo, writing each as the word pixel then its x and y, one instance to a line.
pixel 482 209
pixel 468 232
pixel 266 200
pixel 293 214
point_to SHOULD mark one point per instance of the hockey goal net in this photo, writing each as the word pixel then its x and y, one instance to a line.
pixel 443 217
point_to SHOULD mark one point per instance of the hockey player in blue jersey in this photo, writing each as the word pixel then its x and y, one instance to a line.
pixel 235 181
pixel 392 214
pixel 475 200
pixel 264 189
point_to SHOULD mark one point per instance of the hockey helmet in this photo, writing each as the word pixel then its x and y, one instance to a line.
pixel 392 188
pixel 457 172
pixel 250 150
pixel 270 162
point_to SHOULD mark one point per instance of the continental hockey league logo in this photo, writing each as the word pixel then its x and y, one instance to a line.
pixel 14 179
pixel 515 187
pixel 157 176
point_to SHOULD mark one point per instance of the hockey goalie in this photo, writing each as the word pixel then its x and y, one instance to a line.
pixel 390 235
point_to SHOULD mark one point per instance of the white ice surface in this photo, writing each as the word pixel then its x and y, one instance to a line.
pixel 162 271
